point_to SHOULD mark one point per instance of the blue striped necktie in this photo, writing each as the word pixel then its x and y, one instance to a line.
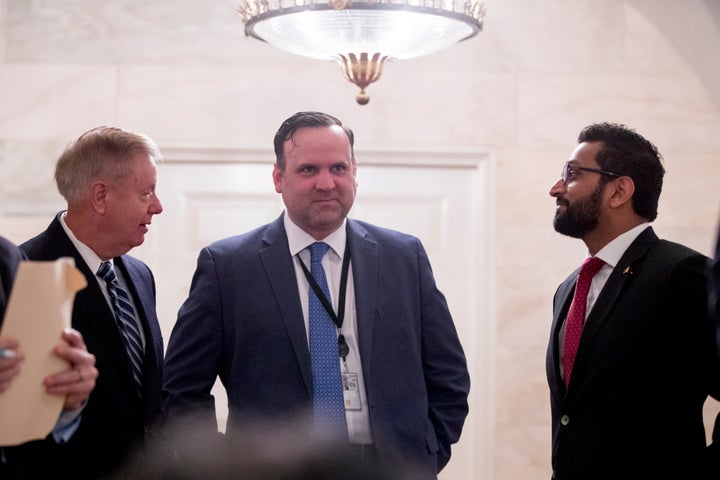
pixel 126 320
pixel 328 403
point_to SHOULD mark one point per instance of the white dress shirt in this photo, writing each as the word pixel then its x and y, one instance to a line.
pixel 93 262
pixel 358 421
pixel 611 255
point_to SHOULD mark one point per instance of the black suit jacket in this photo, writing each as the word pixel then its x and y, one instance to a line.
pixel 116 417
pixel 243 322
pixel 644 367
pixel 10 257
pixel 714 307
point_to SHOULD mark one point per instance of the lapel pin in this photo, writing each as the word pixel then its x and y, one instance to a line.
pixel 627 271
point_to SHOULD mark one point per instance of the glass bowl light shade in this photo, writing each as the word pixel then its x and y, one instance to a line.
pixel 361 35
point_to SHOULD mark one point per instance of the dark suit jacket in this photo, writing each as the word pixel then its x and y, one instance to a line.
pixel 644 367
pixel 10 257
pixel 115 417
pixel 243 321
pixel 714 307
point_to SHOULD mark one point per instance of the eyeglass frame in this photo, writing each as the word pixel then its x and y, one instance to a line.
pixel 565 175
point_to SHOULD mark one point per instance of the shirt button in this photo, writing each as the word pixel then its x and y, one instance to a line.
pixel 564 420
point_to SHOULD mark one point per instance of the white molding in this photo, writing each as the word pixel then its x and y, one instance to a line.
pixel 445 158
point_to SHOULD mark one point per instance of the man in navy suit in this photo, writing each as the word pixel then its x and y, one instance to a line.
pixel 630 406
pixel 75 382
pixel 405 380
pixel 108 177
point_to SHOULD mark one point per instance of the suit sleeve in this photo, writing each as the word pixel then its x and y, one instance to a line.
pixel 444 364
pixel 714 308
pixel 194 350
pixel 714 286
pixel 10 257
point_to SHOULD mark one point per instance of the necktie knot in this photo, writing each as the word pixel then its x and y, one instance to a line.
pixel 591 266
pixel 318 251
pixel 106 272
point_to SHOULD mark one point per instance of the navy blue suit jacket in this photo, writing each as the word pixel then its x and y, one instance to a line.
pixel 243 322
pixel 115 417
pixel 644 367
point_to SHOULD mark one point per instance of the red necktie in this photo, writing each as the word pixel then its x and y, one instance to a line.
pixel 576 314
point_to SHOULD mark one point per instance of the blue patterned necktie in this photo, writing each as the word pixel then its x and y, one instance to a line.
pixel 328 404
pixel 126 320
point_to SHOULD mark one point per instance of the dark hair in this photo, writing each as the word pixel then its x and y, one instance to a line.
pixel 628 154
pixel 304 120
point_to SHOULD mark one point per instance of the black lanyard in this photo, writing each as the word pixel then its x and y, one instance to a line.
pixel 343 348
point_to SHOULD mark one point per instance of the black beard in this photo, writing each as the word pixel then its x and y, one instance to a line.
pixel 581 218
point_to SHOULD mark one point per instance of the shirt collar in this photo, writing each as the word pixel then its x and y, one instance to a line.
pixel 91 259
pixel 613 251
pixel 299 239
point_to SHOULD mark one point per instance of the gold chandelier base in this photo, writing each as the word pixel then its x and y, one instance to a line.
pixel 362 71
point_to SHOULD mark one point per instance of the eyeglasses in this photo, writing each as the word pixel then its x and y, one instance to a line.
pixel 569 172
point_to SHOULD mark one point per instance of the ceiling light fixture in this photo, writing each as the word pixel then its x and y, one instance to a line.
pixel 361 35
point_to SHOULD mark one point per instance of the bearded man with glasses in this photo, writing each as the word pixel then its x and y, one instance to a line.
pixel 631 358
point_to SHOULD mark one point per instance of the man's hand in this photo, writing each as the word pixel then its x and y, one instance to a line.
pixel 10 359
pixel 78 380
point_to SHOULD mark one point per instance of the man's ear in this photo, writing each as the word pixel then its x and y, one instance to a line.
pixel 622 192
pixel 277 178
pixel 98 196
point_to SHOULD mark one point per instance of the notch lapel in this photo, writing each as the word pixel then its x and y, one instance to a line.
pixel 278 264
pixel 364 259
pixel 92 315
pixel 620 276
pixel 562 300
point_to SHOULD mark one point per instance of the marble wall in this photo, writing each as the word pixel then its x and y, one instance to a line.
pixel 183 72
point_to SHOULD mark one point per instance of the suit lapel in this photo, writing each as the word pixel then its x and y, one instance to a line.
pixel 280 271
pixel 364 258
pixel 144 299
pixel 92 315
pixel 562 300
pixel 620 276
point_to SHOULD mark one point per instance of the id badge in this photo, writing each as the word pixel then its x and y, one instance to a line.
pixel 351 391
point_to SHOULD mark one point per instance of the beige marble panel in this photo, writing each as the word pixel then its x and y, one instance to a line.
pixel 691 189
pixel 243 109
pixel 692 30
pixel 557 36
pixel 27 185
pixel 124 31
pixel 3 30
pixel 220 106
pixel 549 36
pixel 525 177
pixel 524 305
pixel 673 112
pixel 416 105
pixel 522 432
pixel 649 50
pixel 54 101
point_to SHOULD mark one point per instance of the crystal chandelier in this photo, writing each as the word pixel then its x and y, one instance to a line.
pixel 361 35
